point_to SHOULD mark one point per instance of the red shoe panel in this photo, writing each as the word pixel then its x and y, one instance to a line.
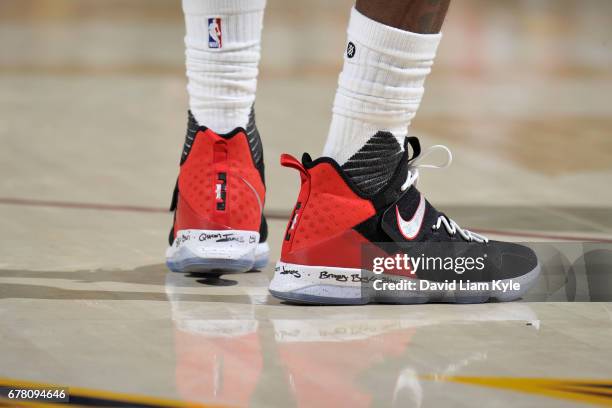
pixel 219 185
pixel 320 229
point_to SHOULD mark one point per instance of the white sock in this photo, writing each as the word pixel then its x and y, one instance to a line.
pixel 222 70
pixel 380 86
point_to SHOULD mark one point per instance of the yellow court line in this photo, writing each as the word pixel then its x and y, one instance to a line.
pixel 91 393
pixel 30 404
pixel 590 391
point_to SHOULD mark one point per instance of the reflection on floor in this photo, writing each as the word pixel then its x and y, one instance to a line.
pixel 92 114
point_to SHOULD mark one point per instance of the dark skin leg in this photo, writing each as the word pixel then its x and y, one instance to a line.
pixel 417 16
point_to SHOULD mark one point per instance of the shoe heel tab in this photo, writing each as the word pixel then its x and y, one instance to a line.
pixel 411 143
pixel 306 159
pixel 229 135
pixel 287 160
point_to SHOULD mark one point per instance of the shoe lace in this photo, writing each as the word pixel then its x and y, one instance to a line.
pixel 411 179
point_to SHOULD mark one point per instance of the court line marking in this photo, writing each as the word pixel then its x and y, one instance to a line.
pixel 597 392
pixel 274 215
pixel 590 391
pixel 92 397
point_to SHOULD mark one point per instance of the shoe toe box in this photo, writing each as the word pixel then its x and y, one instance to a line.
pixel 516 260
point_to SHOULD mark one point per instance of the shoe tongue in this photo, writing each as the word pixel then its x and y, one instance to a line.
pixel 411 194
pixel 375 164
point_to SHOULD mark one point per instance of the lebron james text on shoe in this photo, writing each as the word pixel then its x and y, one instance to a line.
pixel 344 218
pixel 218 202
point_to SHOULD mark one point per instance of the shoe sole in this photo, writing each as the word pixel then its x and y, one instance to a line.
pixel 302 284
pixel 211 251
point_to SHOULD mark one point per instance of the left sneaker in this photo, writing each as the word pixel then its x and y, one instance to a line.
pixel 218 202
pixel 322 259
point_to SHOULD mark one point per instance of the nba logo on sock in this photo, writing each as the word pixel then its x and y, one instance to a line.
pixel 214 33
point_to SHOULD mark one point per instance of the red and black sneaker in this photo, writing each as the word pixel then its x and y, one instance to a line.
pixel 218 202
pixel 344 218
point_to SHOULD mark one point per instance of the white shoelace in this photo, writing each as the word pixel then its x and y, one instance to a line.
pixel 411 178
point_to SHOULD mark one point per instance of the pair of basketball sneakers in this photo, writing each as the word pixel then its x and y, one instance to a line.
pixel 219 226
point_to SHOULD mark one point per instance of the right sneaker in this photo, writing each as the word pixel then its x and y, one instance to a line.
pixel 371 204
pixel 218 203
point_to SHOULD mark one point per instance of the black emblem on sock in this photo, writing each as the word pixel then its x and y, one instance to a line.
pixel 350 50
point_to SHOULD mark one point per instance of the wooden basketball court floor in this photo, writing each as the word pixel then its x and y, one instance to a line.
pixel 92 117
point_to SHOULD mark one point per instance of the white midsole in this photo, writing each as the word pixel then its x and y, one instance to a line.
pixel 350 282
pixel 262 251
pixel 289 277
pixel 217 244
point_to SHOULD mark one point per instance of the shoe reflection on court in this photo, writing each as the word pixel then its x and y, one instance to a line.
pixel 226 355
pixel 219 353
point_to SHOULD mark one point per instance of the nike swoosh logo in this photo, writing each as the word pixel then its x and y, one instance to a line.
pixel 410 229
